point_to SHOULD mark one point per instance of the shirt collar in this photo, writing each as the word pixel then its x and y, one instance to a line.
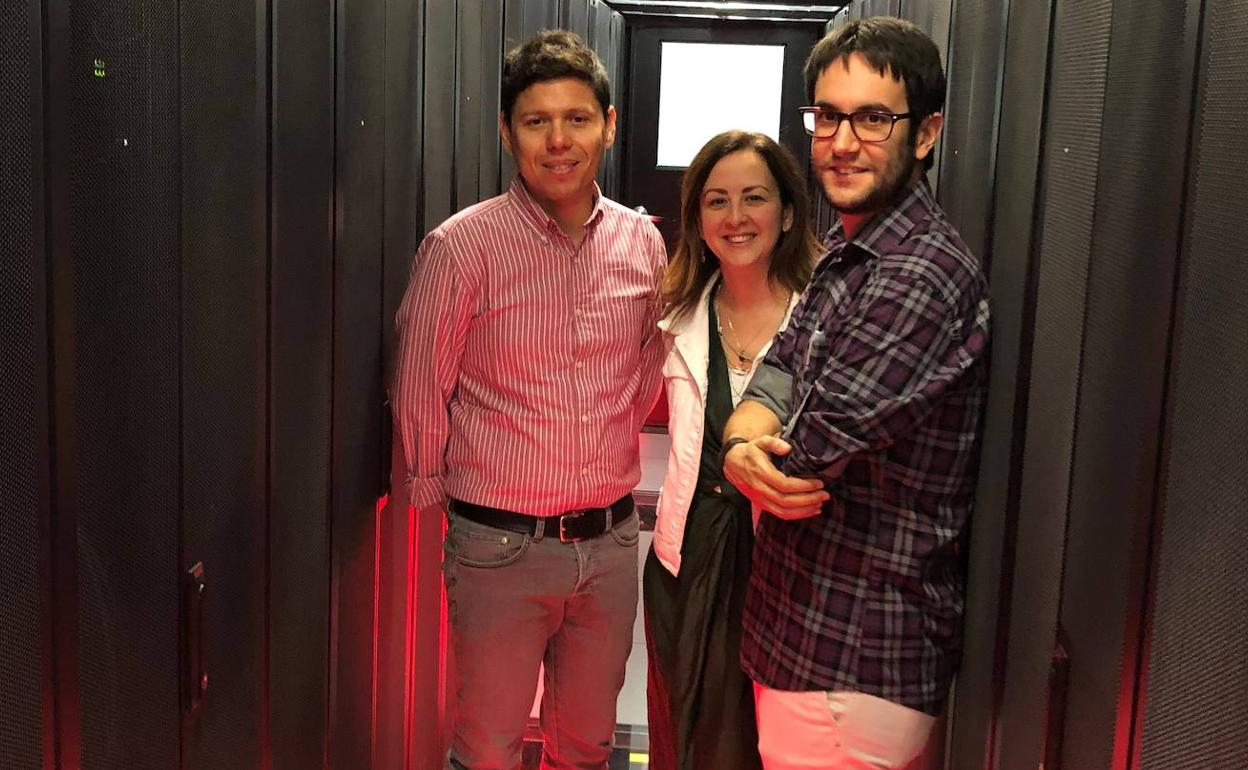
pixel 535 216
pixel 888 228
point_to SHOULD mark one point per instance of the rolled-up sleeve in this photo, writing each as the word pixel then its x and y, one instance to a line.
pixel 432 323
pixel 886 367
pixel 772 387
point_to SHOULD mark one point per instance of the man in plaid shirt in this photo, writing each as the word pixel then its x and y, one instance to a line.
pixel 859 433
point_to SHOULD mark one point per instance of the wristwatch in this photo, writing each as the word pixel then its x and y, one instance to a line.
pixel 727 447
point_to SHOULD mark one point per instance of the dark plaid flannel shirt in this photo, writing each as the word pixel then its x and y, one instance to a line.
pixel 884 362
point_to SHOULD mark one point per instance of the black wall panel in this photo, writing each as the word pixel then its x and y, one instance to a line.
pixel 357 470
pixel 403 225
pixel 574 16
pixel 1197 665
pixel 490 181
pixel 23 407
pixel 1011 273
pixel 619 93
pixel 1072 154
pixel 301 297
pixel 1126 346
pixel 971 111
pixel 478 52
pixel 439 111
pixel 471 50
pixel 224 234
pixel 116 312
pixel 524 18
pixel 917 11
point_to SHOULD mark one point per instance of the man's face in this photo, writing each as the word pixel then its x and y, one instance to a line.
pixel 557 136
pixel 862 177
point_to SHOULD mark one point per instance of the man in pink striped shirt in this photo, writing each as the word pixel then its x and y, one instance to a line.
pixel 528 359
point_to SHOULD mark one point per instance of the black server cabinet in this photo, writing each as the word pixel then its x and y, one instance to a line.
pixel 116 310
pixel 223 56
pixel 25 662
pixel 300 324
pixel 1195 689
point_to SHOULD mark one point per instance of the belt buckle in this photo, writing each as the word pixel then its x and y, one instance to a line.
pixel 564 537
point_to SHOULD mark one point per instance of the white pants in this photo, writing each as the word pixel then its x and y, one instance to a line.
pixel 820 730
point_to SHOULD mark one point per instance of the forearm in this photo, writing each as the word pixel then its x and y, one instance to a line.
pixel 751 420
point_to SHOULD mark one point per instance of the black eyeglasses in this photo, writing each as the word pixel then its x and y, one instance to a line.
pixel 867 125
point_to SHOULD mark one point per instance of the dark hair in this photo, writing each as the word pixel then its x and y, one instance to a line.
pixel 552 54
pixel 693 263
pixel 893 47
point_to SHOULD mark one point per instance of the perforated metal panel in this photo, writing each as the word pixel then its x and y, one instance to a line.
pixel 224 350
pixel 1011 266
pixel 941 23
pixel 574 16
pixel 300 344
pixel 917 11
pixel 1126 346
pixel 1072 153
pixel 1197 675
pixel 23 413
pixel 971 110
pixel 117 353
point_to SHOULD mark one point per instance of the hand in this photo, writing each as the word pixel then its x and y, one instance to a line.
pixel 750 469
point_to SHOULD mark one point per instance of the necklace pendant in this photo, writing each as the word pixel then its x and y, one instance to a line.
pixel 741 359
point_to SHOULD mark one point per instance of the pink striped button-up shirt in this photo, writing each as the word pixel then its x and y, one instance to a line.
pixel 526 364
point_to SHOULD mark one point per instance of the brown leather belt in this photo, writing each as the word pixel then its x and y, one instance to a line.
pixel 580 524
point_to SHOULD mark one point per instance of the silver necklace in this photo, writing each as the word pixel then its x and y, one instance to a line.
pixel 744 363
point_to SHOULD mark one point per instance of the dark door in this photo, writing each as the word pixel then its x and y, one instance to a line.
pixel 656 187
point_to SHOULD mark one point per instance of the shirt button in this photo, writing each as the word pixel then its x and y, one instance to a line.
pixel 580 364
pixel 584 418
pixel 585 471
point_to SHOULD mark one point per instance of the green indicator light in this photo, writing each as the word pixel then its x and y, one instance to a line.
pixel 98 68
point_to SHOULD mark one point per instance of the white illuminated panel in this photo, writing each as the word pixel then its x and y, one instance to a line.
pixel 706 88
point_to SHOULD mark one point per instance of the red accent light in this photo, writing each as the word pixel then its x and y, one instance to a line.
pixel 381 506
pixel 409 637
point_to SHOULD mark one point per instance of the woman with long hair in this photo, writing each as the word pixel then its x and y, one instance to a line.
pixel 744 255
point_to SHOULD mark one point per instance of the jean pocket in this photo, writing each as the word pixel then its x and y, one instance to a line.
pixel 476 545
pixel 628 533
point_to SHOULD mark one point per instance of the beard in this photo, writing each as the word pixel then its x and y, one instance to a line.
pixel 893 183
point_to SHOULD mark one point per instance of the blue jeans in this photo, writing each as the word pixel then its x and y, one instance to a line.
pixel 516 601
